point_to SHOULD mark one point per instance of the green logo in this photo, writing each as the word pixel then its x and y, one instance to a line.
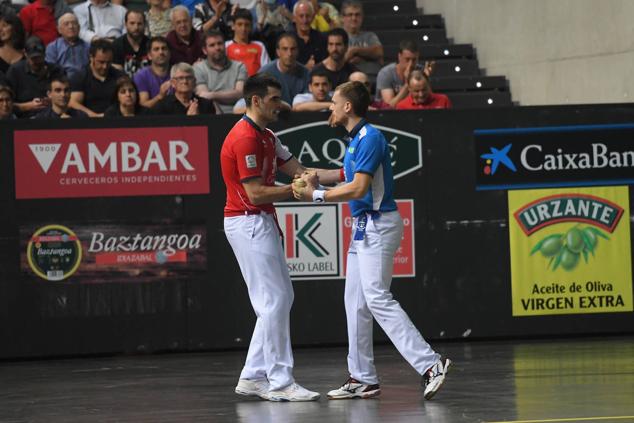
pixel 318 145
pixel 565 249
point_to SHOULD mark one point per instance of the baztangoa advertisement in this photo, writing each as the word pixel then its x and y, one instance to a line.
pixel 104 252
pixel 570 251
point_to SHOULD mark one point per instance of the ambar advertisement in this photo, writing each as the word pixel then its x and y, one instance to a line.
pixel 570 251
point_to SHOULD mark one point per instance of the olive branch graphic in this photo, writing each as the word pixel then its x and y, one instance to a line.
pixel 566 249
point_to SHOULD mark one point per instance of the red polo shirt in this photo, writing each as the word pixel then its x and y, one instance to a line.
pixel 435 101
pixel 39 20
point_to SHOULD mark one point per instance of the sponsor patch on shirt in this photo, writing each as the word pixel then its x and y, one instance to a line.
pixel 251 161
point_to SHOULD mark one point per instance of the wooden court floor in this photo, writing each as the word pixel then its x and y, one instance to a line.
pixel 554 380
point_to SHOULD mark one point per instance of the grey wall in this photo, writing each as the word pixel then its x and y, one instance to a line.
pixel 552 51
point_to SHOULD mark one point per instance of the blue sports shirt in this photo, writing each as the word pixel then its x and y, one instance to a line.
pixel 368 152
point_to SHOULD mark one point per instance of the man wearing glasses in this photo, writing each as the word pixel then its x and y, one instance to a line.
pixel 364 48
pixel 183 100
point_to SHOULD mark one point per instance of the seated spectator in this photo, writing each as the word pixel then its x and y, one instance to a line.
pixel 335 65
pixel 363 78
pixel 100 19
pixel 188 4
pixel 183 101
pixel 271 21
pixel 59 99
pixel 318 99
pixel 420 94
pixel 68 51
pixel 6 103
pixel 93 88
pixel 311 44
pixel 252 54
pixel 11 40
pixel 391 86
pixel 326 17
pixel 365 50
pixel 126 103
pixel 38 18
pixel 218 78
pixel 184 41
pixel 213 14
pixel 30 77
pixel 153 81
pixel 292 75
pixel 130 49
pixel 158 19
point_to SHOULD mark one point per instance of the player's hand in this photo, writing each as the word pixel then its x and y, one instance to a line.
pixel 311 178
pixel 299 187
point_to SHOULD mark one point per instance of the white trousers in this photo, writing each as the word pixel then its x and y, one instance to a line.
pixel 367 296
pixel 256 243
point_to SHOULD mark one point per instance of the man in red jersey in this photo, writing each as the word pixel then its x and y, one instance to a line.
pixel 421 96
pixel 251 53
pixel 250 156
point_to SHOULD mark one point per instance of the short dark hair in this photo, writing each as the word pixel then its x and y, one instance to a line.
pixel 122 81
pixel 339 32
pixel 125 19
pixel 100 44
pixel 7 89
pixel 243 14
pixel 259 84
pixel 285 35
pixel 409 45
pixel 57 78
pixel 157 39
pixel 358 95
pixel 351 3
pixel 213 33
pixel 316 72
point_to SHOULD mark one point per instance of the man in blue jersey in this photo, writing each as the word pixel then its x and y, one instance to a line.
pixel 377 231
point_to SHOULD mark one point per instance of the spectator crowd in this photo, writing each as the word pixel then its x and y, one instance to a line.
pixel 95 58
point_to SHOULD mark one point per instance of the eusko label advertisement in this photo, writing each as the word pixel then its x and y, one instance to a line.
pixel 570 251
pixel 317 237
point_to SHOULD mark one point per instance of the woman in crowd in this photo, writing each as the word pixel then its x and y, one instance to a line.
pixel 126 102
pixel 11 40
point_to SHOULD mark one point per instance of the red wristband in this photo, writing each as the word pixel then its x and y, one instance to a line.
pixel 342 175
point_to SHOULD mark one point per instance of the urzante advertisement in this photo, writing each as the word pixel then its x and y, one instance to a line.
pixel 570 251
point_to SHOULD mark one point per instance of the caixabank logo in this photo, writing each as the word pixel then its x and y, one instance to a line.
pixel 318 145
pixel 570 251
pixel 522 158
pixel 111 162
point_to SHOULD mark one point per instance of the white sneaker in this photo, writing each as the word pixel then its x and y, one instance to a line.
pixel 434 377
pixel 253 387
pixel 293 392
pixel 355 389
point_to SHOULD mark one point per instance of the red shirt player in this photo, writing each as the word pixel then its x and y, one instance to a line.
pixel 251 53
pixel 250 157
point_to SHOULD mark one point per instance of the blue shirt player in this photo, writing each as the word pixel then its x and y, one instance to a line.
pixel 377 231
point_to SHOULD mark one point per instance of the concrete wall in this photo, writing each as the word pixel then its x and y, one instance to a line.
pixel 552 51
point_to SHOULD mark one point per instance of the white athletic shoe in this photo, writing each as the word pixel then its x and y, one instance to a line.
pixel 355 389
pixel 434 377
pixel 293 392
pixel 253 388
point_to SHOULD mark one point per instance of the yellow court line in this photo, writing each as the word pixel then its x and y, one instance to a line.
pixel 570 419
